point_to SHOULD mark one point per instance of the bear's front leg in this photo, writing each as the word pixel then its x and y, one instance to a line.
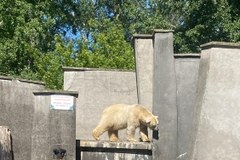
pixel 144 133
pixel 131 134
pixel 113 135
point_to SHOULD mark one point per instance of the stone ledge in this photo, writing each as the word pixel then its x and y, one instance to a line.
pixel 60 92
pixel 102 150
pixel 143 36
pixel 147 36
pixel 93 69
pixel 21 80
pixel 116 145
pixel 6 78
pixel 215 44
pixel 162 31
pixel 30 81
pixel 187 55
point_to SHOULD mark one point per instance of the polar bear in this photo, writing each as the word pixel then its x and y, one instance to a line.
pixel 121 116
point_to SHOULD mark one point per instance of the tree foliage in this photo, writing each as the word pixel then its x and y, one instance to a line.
pixel 39 37
pixel 207 20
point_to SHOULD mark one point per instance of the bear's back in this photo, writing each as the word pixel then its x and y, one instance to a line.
pixel 118 109
pixel 118 114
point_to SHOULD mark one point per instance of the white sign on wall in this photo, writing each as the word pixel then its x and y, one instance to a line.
pixel 62 102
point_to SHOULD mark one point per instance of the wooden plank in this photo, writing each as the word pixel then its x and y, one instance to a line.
pixel 5 143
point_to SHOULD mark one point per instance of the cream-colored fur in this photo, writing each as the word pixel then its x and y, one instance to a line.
pixel 121 116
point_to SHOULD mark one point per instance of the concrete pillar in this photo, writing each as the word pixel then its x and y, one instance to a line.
pixel 186 67
pixel 54 125
pixel 218 103
pixel 16 112
pixel 143 45
pixel 164 96
pixel 5 143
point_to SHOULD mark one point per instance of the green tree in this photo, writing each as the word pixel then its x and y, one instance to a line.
pixel 35 42
pixel 137 16
pixel 39 37
pixel 110 50
pixel 24 30
pixel 105 30
pixel 204 21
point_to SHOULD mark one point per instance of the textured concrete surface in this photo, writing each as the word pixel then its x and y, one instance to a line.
pixel 165 96
pixel 16 112
pixel 97 89
pixel 102 150
pixel 143 45
pixel 53 129
pixel 186 67
pixel 218 103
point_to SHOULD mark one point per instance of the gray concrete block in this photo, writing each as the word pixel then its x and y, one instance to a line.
pixel 97 90
pixel 164 96
pixel 143 45
pixel 186 67
pixel 217 134
pixel 102 150
pixel 16 112
pixel 54 123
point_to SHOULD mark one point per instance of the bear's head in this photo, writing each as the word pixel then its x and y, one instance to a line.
pixel 152 122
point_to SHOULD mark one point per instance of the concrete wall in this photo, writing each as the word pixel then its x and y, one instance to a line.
pixel 16 112
pixel 54 129
pixel 35 128
pixel 186 67
pixel 218 103
pixel 91 150
pixel 97 89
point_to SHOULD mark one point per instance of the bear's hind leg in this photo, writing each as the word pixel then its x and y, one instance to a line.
pixel 113 135
pixel 98 131
pixel 144 133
